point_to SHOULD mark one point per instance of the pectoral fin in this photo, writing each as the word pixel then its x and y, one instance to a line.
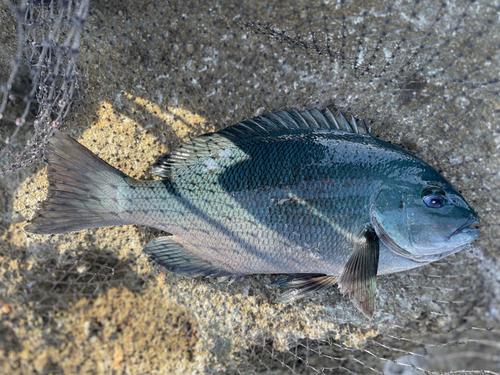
pixel 302 285
pixel 358 279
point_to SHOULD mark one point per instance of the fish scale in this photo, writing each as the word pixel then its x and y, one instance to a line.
pixel 311 222
pixel 307 194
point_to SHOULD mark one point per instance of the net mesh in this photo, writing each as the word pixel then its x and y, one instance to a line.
pixel 132 80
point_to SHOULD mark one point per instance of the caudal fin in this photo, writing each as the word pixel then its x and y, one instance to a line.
pixel 83 190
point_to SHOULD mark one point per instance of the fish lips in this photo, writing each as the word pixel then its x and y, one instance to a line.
pixel 466 229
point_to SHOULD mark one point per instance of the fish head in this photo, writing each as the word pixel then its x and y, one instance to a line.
pixel 423 219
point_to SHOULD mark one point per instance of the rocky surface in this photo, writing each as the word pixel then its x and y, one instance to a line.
pixel 153 75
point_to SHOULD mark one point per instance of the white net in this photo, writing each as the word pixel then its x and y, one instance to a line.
pixel 132 80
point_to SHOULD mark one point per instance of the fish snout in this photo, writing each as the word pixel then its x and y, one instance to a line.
pixel 466 228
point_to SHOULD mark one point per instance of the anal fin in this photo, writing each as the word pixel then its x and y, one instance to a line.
pixel 173 256
pixel 358 279
pixel 302 285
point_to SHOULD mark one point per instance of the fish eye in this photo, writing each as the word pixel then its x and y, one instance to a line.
pixel 434 201
pixel 434 197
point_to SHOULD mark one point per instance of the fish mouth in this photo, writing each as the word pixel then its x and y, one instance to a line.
pixel 466 228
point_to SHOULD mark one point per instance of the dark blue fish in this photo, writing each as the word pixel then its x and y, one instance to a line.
pixel 307 194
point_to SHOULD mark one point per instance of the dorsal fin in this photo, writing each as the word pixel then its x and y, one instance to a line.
pixel 294 120
pixel 207 144
pixel 189 153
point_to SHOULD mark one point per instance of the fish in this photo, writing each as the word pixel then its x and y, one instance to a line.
pixel 308 195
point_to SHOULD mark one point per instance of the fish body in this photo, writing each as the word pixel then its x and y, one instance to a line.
pixel 307 194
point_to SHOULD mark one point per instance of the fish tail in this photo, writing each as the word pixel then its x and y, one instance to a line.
pixel 83 190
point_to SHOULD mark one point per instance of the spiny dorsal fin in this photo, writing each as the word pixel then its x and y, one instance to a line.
pixel 172 255
pixel 358 279
pixel 302 285
pixel 293 120
pixel 205 145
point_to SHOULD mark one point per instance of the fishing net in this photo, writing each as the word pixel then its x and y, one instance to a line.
pixel 132 80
